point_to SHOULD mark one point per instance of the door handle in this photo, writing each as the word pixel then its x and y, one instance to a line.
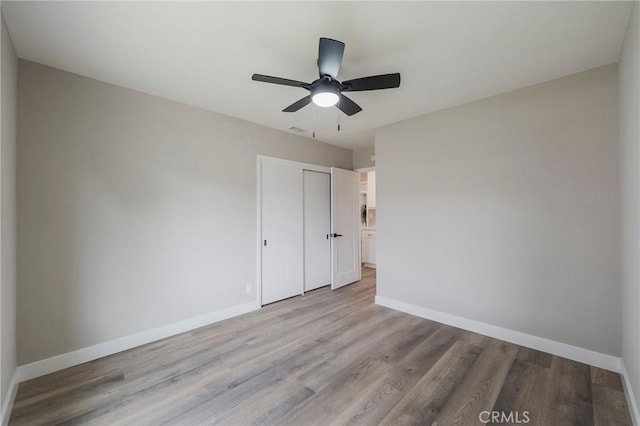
pixel 336 235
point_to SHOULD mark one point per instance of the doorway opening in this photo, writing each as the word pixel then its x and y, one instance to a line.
pixel 368 217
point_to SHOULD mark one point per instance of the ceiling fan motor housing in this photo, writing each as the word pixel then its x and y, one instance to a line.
pixel 325 85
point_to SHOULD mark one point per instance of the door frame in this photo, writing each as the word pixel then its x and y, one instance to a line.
pixel 262 159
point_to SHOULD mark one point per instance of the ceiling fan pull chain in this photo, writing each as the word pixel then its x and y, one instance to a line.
pixel 338 113
pixel 314 121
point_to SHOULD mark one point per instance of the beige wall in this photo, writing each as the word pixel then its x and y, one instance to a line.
pixel 506 211
pixel 362 158
pixel 630 166
pixel 8 214
pixel 135 211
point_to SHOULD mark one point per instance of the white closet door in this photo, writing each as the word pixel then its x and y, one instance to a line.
pixel 282 232
pixel 317 227
pixel 345 222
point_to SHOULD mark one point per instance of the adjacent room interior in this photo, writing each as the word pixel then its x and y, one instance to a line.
pixel 392 213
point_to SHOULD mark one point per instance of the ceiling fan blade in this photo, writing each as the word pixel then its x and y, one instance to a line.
pixel 375 82
pixel 347 106
pixel 330 57
pixel 279 80
pixel 298 104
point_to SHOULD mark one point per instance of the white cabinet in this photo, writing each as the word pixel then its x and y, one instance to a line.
pixel 369 247
pixel 371 190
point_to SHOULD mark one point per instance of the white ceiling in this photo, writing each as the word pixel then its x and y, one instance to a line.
pixel 204 53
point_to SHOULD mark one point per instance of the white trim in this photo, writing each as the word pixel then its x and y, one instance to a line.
pixel 294 164
pixel 586 356
pixel 69 359
pixel 365 169
pixel 259 233
pixel 7 404
pixel 628 393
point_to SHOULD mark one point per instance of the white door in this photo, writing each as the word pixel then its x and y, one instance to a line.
pixel 317 227
pixel 345 220
pixel 282 232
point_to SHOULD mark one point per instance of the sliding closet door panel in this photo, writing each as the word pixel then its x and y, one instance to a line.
pixel 317 227
pixel 282 232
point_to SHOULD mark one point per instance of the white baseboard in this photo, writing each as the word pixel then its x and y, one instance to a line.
pixel 631 400
pixel 69 359
pixel 8 399
pixel 586 356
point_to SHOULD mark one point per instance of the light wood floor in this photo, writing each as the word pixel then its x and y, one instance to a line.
pixel 329 357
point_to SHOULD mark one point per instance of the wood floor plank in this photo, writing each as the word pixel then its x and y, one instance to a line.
pixel 328 357
pixel 609 406
pixel 481 385
pixel 216 403
pixel 336 401
pixel 297 357
pixel 104 366
pixel 400 344
pixel 302 351
pixel 273 406
pixel 38 400
pixel 423 402
pixel 140 408
pixel 605 378
pixel 526 382
pixel 531 356
pixel 405 374
pixel 352 349
pixel 568 398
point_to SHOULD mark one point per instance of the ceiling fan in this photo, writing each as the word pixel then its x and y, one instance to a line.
pixel 327 91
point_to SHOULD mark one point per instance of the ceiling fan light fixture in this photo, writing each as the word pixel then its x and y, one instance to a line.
pixel 325 98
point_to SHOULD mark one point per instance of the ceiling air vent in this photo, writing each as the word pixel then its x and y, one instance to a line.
pixel 297 129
